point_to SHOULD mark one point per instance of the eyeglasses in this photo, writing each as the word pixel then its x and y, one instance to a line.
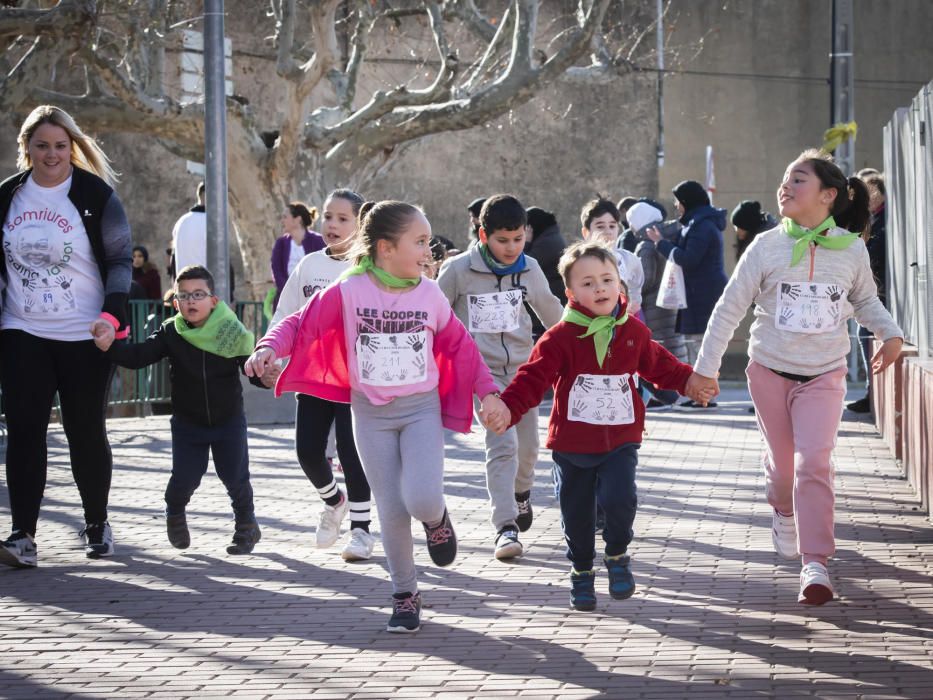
pixel 199 295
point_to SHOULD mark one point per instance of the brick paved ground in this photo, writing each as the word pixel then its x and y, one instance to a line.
pixel 715 614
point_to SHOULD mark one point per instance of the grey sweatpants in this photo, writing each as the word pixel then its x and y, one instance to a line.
pixel 401 446
pixel 510 462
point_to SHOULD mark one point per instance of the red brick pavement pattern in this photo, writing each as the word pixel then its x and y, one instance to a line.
pixel 715 614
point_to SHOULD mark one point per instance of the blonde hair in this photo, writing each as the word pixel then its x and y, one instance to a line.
pixel 85 153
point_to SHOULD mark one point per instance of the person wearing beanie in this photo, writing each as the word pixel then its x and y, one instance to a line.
pixel 749 220
pixel 475 207
pixel 627 237
pixel 699 252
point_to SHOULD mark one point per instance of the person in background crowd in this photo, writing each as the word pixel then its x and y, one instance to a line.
pixel 877 258
pixel 59 213
pixel 146 274
pixel 297 241
pixel 749 220
pixel 189 236
pixel 699 252
pixel 626 240
pixel 544 243
pixel 474 208
pixel 662 322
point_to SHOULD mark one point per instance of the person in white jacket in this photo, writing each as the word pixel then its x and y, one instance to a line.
pixel 313 416
pixel 806 278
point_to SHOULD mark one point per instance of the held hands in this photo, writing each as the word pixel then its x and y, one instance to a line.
pixel 701 389
pixel 889 352
pixel 495 414
pixel 103 334
pixel 260 362
pixel 269 377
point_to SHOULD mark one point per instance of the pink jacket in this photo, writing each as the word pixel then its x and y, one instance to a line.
pixel 316 335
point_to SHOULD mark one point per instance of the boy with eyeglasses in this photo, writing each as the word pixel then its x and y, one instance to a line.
pixel 206 346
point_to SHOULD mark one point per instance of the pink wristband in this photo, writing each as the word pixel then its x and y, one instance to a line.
pixel 112 320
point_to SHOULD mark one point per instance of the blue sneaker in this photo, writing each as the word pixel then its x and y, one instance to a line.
pixel 582 590
pixel 621 581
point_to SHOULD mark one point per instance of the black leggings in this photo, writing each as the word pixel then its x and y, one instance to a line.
pixel 32 369
pixel 313 418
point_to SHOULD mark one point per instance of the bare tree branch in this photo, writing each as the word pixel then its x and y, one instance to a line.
pixel 67 18
pixel 493 52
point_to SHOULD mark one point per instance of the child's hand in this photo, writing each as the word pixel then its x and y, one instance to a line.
pixel 103 334
pixel 271 375
pixel 259 362
pixel 495 414
pixel 701 389
pixel 889 352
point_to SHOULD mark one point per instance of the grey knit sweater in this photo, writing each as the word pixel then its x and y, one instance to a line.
pixel 780 294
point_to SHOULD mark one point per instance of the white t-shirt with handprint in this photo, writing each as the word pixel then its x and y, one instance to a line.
pixel 54 289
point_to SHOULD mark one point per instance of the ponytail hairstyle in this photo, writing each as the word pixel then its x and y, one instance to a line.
pixel 850 208
pixel 354 198
pixel 380 221
pixel 307 214
pixel 85 153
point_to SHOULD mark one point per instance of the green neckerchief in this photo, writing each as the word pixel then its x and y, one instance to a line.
pixel 367 265
pixel 804 236
pixel 222 334
pixel 600 327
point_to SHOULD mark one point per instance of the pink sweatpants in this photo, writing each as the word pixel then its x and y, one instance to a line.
pixel 799 423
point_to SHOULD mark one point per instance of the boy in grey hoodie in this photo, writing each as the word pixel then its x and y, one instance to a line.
pixel 486 287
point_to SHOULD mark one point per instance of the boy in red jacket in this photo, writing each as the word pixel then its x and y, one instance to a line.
pixel 590 359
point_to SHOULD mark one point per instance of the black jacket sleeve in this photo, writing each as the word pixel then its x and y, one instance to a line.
pixel 137 355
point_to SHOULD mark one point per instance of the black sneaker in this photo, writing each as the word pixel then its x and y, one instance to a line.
pixel 507 544
pixel 98 540
pixel 176 526
pixel 245 537
pixel 442 541
pixel 19 551
pixel 526 514
pixel 406 613
pixel 621 581
pixel 860 406
pixel 582 590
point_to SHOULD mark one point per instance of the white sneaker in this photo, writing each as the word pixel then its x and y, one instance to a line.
pixel 98 540
pixel 359 546
pixel 19 551
pixel 328 529
pixel 784 535
pixel 507 544
pixel 815 588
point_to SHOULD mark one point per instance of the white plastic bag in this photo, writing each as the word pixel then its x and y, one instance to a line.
pixel 672 294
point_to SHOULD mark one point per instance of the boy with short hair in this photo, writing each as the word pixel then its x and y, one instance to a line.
pixel 600 220
pixel 207 346
pixel 487 287
pixel 597 419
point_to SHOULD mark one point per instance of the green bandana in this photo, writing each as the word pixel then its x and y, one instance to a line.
pixel 367 265
pixel 804 236
pixel 600 327
pixel 222 334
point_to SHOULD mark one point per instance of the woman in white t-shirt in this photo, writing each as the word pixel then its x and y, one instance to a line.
pixel 65 261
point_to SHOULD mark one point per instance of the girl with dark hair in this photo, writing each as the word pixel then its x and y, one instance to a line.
pixel 297 241
pixel 145 273
pixel 806 278
pixel 65 261
pixel 385 340
pixel 314 416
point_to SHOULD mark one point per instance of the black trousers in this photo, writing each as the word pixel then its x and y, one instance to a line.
pixel 32 369
pixel 313 418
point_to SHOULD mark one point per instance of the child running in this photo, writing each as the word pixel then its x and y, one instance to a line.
pixel 487 287
pixel 385 340
pixel 314 416
pixel 590 359
pixel 806 278
pixel 206 346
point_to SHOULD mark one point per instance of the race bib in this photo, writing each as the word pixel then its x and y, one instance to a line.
pixel 602 399
pixel 808 307
pixel 494 313
pixel 391 359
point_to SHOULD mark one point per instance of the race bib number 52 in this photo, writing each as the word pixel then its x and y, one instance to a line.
pixel 602 399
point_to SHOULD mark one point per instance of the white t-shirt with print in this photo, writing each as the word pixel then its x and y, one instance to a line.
pixel 54 289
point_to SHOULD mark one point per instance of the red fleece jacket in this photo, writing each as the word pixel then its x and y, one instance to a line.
pixel 560 356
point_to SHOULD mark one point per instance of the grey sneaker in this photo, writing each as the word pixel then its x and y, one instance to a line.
pixel 18 551
pixel 507 544
pixel 98 540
